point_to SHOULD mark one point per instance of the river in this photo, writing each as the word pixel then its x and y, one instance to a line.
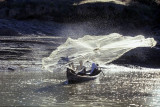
pixel 120 86
pixel 23 82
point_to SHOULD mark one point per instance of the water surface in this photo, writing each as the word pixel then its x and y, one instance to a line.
pixel 126 87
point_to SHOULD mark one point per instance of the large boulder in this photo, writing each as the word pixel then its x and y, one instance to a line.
pixel 143 56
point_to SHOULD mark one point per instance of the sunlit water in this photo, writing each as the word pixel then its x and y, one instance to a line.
pixel 24 83
pixel 120 86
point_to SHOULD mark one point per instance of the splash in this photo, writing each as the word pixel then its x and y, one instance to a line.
pixel 99 49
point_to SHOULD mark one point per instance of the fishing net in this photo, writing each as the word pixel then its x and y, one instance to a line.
pixel 98 49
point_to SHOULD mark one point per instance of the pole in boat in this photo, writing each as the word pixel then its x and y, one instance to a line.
pixel 102 71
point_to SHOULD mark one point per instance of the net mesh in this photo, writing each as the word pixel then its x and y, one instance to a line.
pixel 98 49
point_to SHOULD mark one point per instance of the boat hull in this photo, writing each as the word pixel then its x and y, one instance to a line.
pixel 72 77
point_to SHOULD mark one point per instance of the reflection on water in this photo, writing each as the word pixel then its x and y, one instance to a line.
pixel 120 88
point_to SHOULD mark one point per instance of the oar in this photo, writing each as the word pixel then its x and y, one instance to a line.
pixel 103 67
pixel 102 71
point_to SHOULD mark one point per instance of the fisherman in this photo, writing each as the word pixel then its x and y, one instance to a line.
pixel 81 68
pixel 93 68
pixel 71 68
pixel 72 64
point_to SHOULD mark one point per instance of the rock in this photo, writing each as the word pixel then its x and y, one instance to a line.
pixel 3 12
pixel 29 11
pixel 143 56
pixel 14 12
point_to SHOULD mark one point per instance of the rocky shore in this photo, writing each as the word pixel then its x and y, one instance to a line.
pixel 129 15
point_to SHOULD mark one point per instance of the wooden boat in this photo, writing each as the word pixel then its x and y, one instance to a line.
pixel 74 77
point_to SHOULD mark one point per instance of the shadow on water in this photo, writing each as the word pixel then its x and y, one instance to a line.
pixel 61 92
pixel 50 88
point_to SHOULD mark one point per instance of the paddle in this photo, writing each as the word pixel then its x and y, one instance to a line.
pixel 102 71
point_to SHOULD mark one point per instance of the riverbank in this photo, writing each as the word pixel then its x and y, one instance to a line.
pixel 120 16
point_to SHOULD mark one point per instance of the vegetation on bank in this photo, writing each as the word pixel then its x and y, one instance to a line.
pixel 65 10
pixel 133 14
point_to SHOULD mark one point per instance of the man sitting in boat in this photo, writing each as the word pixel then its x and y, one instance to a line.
pixel 71 66
pixel 93 70
pixel 81 68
